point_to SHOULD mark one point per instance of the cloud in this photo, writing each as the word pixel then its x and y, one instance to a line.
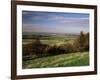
pixel 73 28
pixel 75 21
pixel 54 22
pixel 25 13
pixel 36 28
pixel 36 17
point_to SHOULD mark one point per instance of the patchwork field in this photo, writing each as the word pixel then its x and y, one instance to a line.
pixel 51 39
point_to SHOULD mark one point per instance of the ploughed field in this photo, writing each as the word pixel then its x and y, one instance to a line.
pixel 59 60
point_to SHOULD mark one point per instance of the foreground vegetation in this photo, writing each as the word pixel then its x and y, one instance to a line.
pixel 62 60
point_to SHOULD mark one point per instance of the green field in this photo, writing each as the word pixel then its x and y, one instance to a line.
pixel 61 60
pixel 54 51
pixel 52 40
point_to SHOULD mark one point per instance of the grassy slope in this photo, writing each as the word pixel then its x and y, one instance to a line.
pixel 62 60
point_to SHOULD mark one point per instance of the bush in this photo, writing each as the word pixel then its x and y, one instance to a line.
pixel 67 47
pixel 38 48
pixel 27 49
pixel 53 50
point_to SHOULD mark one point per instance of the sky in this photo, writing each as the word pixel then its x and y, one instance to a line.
pixel 54 22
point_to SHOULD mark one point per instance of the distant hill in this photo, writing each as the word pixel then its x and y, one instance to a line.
pixel 45 33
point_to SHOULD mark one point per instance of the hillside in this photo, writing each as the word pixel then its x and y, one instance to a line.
pixel 62 60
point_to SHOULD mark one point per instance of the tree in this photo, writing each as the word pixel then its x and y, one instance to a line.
pixel 86 41
pixel 82 42
pixel 36 46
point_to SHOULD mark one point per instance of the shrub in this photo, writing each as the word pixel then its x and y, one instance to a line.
pixel 67 47
pixel 38 48
pixel 27 49
pixel 53 50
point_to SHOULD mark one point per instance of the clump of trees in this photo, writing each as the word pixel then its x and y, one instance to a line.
pixel 81 43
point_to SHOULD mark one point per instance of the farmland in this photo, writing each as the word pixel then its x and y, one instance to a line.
pixel 50 39
pixel 52 50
